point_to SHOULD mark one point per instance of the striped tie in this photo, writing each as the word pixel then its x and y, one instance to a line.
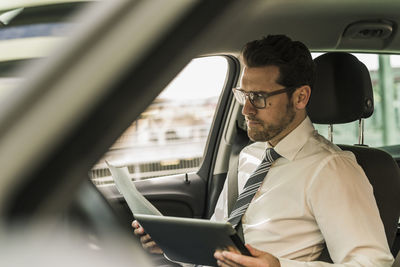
pixel 251 186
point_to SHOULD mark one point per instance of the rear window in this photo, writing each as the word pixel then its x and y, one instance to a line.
pixel 382 128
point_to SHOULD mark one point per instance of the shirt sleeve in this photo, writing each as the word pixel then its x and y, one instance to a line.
pixel 342 201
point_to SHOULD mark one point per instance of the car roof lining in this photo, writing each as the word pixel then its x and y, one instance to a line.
pixel 278 17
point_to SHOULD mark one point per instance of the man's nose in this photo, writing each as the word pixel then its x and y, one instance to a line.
pixel 248 108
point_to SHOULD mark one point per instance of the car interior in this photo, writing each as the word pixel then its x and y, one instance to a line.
pixel 72 106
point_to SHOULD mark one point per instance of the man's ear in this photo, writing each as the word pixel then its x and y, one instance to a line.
pixel 301 97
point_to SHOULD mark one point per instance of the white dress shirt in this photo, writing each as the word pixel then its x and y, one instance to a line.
pixel 314 193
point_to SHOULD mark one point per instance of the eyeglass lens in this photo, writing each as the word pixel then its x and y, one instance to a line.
pixel 256 100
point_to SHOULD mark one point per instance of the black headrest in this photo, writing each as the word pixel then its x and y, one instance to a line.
pixel 342 91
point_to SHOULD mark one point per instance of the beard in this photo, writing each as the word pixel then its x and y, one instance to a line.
pixel 265 132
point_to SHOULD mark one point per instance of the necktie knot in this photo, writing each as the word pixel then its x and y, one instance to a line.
pixel 271 155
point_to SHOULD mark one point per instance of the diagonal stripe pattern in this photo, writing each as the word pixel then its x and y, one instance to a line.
pixel 251 186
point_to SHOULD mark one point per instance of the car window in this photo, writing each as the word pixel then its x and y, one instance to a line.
pixel 169 137
pixel 382 127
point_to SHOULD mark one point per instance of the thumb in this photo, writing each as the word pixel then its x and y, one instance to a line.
pixel 253 251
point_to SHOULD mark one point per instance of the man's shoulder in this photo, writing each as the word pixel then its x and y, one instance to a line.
pixel 319 145
pixel 326 158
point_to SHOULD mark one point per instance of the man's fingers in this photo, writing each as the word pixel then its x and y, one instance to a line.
pixel 152 247
pixel 238 260
pixel 227 263
pixel 218 254
pixel 139 231
pixel 223 261
pixel 253 251
pixel 234 250
pixel 222 264
pixel 233 259
pixel 156 250
pixel 145 239
pixel 138 228
pixel 149 245
pixel 136 225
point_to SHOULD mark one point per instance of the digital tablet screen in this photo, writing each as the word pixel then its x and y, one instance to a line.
pixel 190 240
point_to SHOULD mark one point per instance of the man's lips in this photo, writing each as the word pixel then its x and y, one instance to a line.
pixel 251 122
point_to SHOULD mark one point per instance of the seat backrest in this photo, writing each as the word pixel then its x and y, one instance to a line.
pixel 343 93
pixel 382 171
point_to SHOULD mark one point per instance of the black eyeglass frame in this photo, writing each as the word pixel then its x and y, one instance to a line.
pixel 263 95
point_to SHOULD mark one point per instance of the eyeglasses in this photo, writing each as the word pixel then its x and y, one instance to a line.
pixel 257 99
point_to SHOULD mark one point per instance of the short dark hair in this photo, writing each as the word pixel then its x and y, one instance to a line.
pixel 296 66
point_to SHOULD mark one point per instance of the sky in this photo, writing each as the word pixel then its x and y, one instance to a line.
pixel 204 77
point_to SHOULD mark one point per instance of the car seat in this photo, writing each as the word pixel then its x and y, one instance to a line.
pixel 342 93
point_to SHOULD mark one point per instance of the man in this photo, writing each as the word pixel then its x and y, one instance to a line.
pixel 302 202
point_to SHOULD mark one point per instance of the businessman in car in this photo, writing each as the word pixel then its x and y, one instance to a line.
pixel 292 200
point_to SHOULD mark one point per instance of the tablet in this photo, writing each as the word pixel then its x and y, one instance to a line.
pixel 190 240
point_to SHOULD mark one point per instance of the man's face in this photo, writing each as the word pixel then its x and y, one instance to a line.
pixel 272 122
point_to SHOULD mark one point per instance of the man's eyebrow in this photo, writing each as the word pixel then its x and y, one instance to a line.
pixel 254 91
pixel 259 92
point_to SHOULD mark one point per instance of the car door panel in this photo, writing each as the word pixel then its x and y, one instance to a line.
pixel 181 195
pixel 178 195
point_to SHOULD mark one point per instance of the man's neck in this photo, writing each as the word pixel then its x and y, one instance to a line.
pixel 295 123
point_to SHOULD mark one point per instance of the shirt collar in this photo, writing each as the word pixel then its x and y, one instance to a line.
pixel 291 144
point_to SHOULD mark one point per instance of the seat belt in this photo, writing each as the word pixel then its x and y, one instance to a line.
pixel 241 140
pixel 232 180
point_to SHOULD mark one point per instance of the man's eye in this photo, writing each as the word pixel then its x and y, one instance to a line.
pixel 257 96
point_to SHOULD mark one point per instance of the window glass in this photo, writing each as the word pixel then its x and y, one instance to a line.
pixel 170 136
pixel 382 127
